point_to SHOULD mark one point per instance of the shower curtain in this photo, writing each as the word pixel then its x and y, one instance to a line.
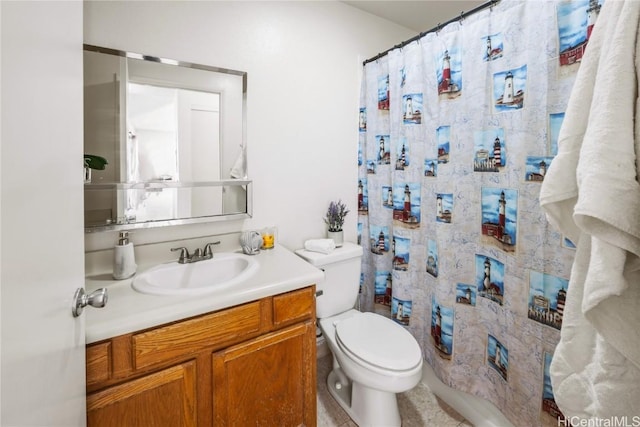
pixel 457 130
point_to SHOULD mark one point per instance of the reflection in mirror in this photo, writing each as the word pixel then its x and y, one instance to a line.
pixel 172 135
pixel 159 117
pixel 158 203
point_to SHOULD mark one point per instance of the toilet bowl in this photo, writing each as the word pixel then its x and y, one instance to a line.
pixel 373 356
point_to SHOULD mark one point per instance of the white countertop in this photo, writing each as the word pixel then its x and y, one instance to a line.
pixel 128 310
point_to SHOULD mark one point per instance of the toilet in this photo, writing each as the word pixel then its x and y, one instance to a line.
pixel 373 356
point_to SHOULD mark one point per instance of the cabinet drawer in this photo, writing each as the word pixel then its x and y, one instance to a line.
pixel 98 363
pixel 294 306
pixel 190 336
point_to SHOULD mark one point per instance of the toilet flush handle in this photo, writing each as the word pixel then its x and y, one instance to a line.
pixel 320 292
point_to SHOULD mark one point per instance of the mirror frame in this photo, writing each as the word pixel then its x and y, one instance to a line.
pixel 166 184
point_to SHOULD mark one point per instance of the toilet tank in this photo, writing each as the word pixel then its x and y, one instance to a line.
pixel 339 290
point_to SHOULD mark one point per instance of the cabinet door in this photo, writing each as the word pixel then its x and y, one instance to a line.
pixel 268 381
pixel 164 398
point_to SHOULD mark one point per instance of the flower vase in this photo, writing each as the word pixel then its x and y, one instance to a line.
pixel 337 237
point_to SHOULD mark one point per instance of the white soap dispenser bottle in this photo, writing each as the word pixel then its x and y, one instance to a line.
pixel 124 261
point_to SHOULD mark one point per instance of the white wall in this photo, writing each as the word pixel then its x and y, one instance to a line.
pixel 303 60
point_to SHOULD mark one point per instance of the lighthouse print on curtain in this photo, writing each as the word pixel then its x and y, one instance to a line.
pixel 456 133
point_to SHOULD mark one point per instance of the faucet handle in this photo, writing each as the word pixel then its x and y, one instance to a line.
pixel 207 248
pixel 184 254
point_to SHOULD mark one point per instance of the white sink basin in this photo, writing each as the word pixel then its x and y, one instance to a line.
pixel 198 278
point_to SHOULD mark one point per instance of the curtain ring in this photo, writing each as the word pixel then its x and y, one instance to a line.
pixel 461 17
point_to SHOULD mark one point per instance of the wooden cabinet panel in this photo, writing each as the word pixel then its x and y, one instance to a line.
pixel 255 365
pixel 98 363
pixel 269 381
pixel 294 306
pixel 189 336
pixel 165 398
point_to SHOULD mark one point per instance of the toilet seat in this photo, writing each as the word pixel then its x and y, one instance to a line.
pixel 378 341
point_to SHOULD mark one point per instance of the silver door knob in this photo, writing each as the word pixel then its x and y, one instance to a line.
pixel 97 298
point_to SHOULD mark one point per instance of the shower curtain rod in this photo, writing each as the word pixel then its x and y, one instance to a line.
pixel 438 27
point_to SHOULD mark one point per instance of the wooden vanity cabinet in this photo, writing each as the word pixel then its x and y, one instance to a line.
pixel 252 364
pixel 163 398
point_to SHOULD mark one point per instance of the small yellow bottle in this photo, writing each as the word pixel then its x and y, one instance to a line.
pixel 268 238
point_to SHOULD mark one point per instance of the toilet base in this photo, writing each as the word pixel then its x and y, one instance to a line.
pixel 367 407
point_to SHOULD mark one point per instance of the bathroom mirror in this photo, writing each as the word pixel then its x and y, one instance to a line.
pixel 164 142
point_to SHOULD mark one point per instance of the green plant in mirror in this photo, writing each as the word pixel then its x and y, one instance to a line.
pixel 95 162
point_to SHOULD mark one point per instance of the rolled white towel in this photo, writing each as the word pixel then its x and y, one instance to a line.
pixel 325 246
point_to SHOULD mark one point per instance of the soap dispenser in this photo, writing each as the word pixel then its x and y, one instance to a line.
pixel 124 261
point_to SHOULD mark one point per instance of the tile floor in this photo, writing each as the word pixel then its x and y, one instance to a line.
pixel 418 407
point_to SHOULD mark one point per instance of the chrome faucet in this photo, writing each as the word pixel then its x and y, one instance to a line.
pixel 198 254
pixel 208 253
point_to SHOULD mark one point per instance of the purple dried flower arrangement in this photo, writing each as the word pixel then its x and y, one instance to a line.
pixel 335 215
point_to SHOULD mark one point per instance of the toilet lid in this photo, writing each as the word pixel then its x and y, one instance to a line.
pixel 379 341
